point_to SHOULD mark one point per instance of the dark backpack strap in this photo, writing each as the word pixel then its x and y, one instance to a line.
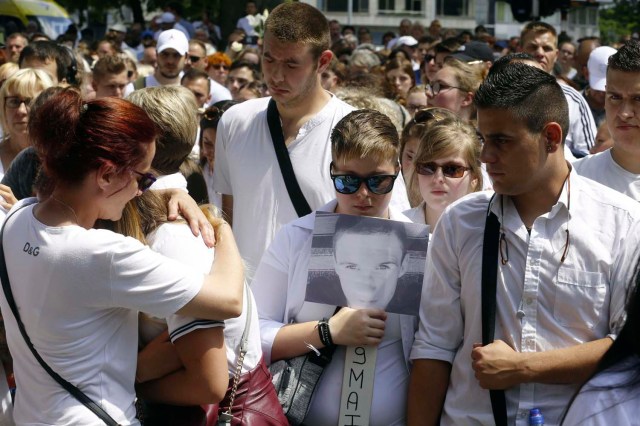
pixel 490 248
pixel 293 188
pixel 77 393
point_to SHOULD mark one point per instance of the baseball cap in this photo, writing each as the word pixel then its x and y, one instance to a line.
pixel 597 66
pixel 118 27
pixel 173 39
pixel 406 41
pixel 474 51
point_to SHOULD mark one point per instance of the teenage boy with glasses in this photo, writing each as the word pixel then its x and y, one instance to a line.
pixel 295 53
pixel 561 278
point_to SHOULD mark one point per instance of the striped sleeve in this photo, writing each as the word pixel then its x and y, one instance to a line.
pixel 180 325
pixel 582 126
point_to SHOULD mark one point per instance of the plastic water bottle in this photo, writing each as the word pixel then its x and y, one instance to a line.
pixel 535 417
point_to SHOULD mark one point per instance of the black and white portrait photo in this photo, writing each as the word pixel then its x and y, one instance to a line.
pixel 365 262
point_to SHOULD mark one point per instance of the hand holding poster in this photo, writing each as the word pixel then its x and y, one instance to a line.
pixel 365 262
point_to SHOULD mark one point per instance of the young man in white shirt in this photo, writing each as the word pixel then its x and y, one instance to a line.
pixel 619 167
pixel 540 40
pixel 246 167
pixel 561 284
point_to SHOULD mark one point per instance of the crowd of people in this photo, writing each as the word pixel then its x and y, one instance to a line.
pixel 160 188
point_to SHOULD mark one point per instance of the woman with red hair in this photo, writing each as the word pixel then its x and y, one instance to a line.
pixel 78 290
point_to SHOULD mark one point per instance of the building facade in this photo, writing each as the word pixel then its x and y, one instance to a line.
pixel 385 15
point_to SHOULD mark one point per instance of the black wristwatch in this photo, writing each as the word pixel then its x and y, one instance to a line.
pixel 324 332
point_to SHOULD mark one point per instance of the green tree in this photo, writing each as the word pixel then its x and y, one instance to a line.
pixel 622 19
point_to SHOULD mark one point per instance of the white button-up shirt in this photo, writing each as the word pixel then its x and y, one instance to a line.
pixel 542 303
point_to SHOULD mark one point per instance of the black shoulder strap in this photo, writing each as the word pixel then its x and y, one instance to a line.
pixel 295 193
pixel 77 393
pixel 490 247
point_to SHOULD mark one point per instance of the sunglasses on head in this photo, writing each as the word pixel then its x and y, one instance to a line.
pixel 449 170
pixel 212 113
pixel 145 181
pixel 350 184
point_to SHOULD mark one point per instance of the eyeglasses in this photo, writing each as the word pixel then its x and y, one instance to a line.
pixel 350 184
pixel 220 67
pixel 438 87
pixel 428 58
pixel 145 181
pixel 454 171
pixel 194 58
pixel 14 102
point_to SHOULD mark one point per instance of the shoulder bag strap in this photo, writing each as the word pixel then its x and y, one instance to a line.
pixel 293 188
pixel 490 249
pixel 73 390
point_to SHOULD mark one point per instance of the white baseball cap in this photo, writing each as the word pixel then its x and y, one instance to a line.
pixel 173 39
pixel 597 66
pixel 406 41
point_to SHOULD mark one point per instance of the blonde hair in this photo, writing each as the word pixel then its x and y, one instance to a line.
pixel 365 133
pixel 449 137
pixel 7 70
pixel 174 112
pixel 26 83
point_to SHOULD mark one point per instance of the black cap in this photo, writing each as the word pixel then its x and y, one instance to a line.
pixel 474 51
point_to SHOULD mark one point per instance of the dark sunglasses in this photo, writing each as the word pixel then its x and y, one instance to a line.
pixel 428 58
pixel 194 58
pixel 145 181
pixel 350 184
pixel 220 67
pixel 454 171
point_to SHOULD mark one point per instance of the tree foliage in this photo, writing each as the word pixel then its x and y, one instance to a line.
pixel 622 19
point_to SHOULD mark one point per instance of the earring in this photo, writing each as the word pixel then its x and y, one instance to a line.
pixel 549 147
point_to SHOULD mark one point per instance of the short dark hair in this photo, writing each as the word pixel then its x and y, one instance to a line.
pixel 627 58
pixel 193 74
pixel 246 64
pixel 47 51
pixel 510 58
pixel 531 94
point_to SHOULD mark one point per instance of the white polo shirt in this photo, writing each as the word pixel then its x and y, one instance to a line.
pixel 542 303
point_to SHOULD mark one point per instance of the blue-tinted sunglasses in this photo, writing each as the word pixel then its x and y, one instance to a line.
pixel 349 184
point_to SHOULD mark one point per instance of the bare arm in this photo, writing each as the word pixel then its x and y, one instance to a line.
pixel 348 327
pixel 227 208
pixel 204 378
pixel 221 294
pixel 7 199
pixel 427 390
pixel 498 366
pixel 157 359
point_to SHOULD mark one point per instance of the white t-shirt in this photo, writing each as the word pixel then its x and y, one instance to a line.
pixel 79 292
pixel 247 168
pixel 605 400
pixel 218 93
pixel 215 198
pixel 176 241
pixel 602 168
